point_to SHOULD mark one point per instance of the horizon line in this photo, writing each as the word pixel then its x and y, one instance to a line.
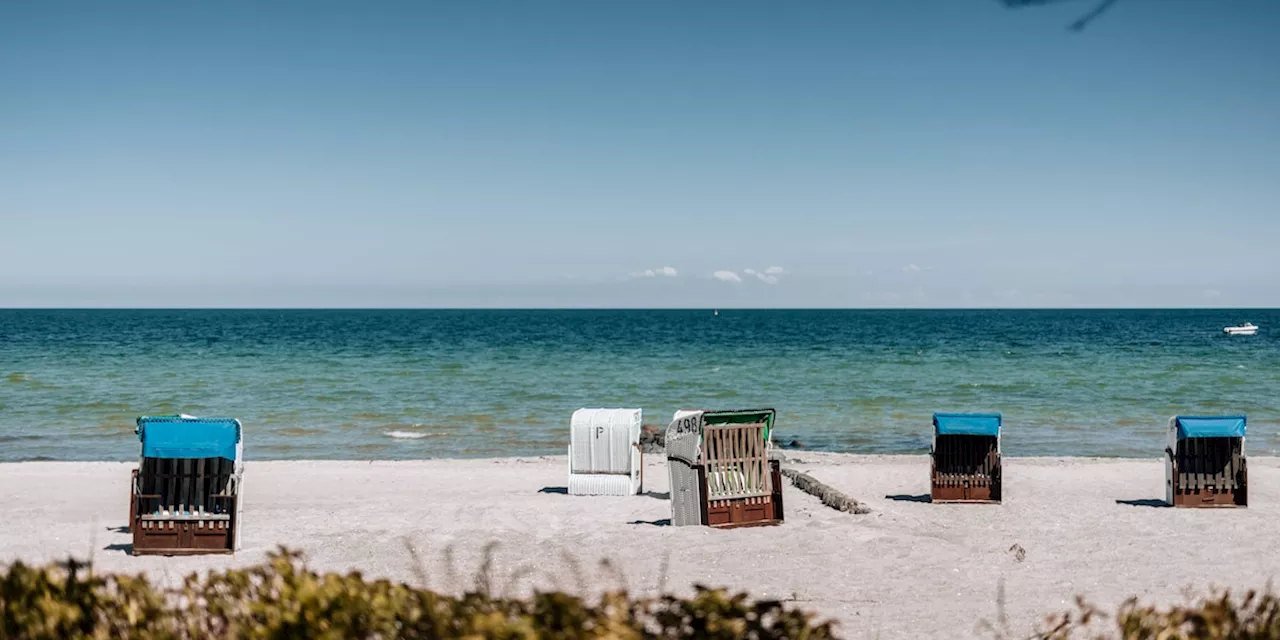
pixel 602 308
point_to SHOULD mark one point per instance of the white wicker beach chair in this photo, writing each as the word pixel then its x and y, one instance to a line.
pixel 604 452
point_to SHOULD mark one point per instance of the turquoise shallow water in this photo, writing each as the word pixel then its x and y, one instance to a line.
pixel 419 384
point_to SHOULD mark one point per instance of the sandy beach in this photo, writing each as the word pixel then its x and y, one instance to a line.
pixel 907 569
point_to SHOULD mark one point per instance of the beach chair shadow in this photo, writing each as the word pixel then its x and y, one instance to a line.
pixel 564 491
pixel 123 529
pixel 909 498
pixel 1144 502
pixel 124 547
pixel 665 522
pixel 660 495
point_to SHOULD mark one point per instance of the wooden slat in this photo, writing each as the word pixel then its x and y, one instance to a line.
pixel 1184 465
pixel 202 487
pixel 1199 462
pixel 1218 468
pixel 1181 456
pixel 166 485
pixel 1235 467
pixel 1189 460
pixel 737 457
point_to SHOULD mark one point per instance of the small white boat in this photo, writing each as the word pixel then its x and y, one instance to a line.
pixel 1246 329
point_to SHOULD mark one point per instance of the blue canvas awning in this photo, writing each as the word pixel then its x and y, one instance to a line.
pixel 179 437
pixel 966 424
pixel 1210 427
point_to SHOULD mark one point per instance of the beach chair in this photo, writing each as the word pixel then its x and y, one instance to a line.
pixel 604 452
pixel 965 458
pixel 1204 462
pixel 720 470
pixel 186 496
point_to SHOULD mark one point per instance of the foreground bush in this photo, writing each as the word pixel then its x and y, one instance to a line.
pixel 1219 616
pixel 283 599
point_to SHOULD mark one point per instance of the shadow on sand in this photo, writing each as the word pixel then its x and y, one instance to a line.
pixel 924 497
pixel 665 522
pixel 1145 502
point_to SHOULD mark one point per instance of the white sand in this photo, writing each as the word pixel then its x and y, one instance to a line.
pixel 908 569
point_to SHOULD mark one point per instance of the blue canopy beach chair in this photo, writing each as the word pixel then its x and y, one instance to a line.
pixel 186 490
pixel 1205 463
pixel 966 458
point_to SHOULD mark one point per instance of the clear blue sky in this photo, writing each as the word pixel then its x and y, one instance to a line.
pixel 555 153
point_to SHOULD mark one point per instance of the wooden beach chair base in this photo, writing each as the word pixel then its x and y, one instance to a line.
pixel 1210 473
pixel 745 512
pixel 182 537
pixel 1210 499
pixel 180 514
pixel 963 495
pixel 966 469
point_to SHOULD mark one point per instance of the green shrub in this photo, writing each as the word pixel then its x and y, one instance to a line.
pixel 1218 616
pixel 283 599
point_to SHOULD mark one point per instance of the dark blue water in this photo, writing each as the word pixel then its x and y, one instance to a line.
pixel 417 384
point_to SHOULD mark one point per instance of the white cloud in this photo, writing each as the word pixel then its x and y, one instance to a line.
pixel 726 276
pixel 666 272
pixel 768 276
pixel 912 268
pixel 1212 293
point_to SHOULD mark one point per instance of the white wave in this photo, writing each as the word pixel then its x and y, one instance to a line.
pixel 406 435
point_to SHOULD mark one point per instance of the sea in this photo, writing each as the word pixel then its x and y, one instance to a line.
pixel 413 384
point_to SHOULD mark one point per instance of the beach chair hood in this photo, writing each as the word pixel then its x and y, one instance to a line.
pixel 967 424
pixel 1209 426
pixel 683 438
pixel 1184 427
pixel 185 437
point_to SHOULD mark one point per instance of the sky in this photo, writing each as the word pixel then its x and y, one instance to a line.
pixel 561 153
